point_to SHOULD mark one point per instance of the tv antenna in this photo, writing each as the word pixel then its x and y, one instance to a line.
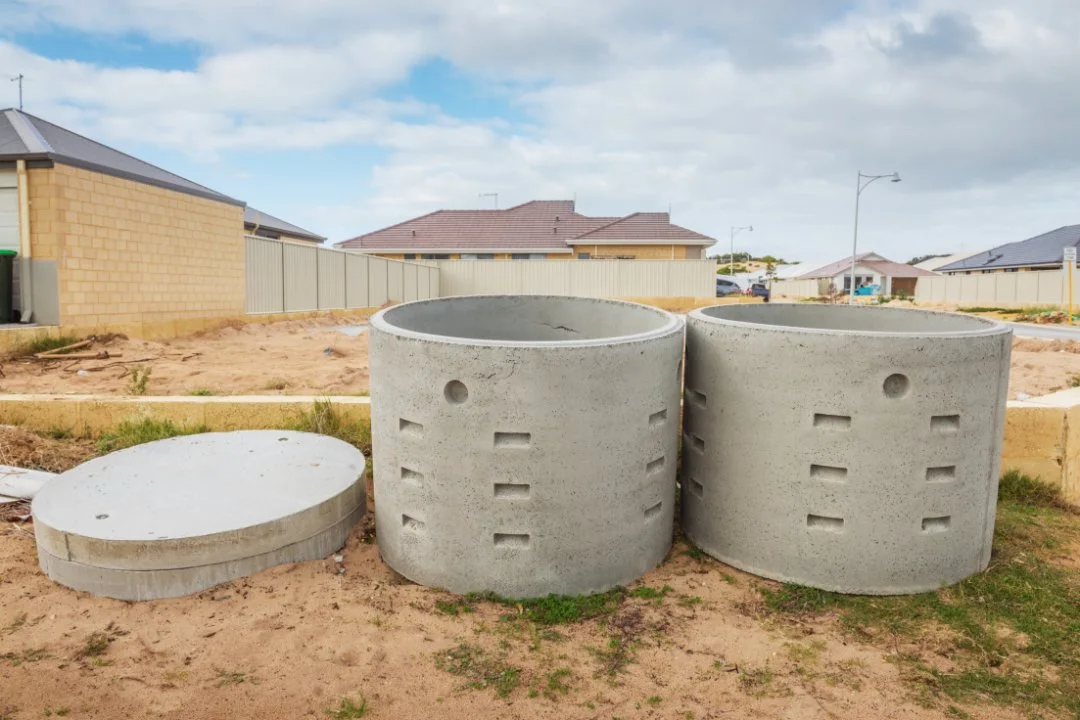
pixel 19 79
pixel 495 196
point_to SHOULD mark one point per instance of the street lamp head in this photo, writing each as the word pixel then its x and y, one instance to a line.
pixel 896 177
pixel 750 228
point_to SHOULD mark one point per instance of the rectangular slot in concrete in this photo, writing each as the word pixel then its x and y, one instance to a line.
pixel 935 524
pixel 411 523
pixel 828 473
pixel 828 524
pixel 655 465
pixel 513 439
pixel 509 491
pixel 696 397
pixel 408 427
pixel 696 488
pixel 945 423
pixel 511 540
pixel 411 477
pixel 945 473
pixel 696 443
pixel 657 418
pixel 832 422
pixel 654 510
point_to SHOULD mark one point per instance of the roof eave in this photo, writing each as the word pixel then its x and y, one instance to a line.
pixel 704 242
pixel 452 251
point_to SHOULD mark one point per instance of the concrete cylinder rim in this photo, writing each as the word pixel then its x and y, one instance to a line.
pixel 671 325
pixel 986 327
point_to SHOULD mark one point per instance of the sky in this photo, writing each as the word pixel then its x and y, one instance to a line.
pixel 344 116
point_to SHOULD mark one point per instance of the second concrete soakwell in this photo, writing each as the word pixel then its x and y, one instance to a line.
pixel 847 448
pixel 526 444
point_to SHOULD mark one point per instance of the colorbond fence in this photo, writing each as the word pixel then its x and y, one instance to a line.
pixel 1016 289
pixel 586 278
pixel 294 277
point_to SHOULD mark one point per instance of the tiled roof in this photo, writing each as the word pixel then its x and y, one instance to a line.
pixel 1045 249
pixel 23 136
pixel 258 219
pixel 645 226
pixel 872 261
pixel 548 225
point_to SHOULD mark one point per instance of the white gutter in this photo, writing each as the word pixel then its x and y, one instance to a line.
pixel 26 282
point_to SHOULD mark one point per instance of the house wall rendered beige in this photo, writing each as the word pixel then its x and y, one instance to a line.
pixel 132 253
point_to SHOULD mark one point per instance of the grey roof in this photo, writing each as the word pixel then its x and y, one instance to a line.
pixel 23 136
pixel 257 218
pixel 1042 249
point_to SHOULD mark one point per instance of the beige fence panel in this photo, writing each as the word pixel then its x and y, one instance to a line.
pixel 264 276
pixel 283 276
pixel 301 278
pixel 435 282
pixel 331 280
pixel 395 281
pixel 377 282
pixel 356 281
pixel 999 289
pixel 593 278
pixel 796 288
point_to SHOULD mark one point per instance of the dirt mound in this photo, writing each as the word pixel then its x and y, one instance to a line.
pixel 1033 345
pixel 23 449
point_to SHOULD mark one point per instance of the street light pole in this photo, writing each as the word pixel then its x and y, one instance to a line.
pixel 731 257
pixel 859 187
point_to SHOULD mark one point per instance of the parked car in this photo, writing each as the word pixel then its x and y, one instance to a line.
pixel 759 290
pixel 726 287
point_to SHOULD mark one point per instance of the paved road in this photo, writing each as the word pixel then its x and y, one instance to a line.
pixel 1046 332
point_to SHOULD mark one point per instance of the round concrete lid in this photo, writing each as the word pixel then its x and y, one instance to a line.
pixel 199 498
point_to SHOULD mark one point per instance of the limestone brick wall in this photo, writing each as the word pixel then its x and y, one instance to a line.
pixel 128 252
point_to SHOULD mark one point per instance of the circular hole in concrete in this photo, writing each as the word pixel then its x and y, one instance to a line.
pixel 456 392
pixel 895 386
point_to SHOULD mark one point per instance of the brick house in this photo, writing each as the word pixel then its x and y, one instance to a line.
pixel 107 239
pixel 537 230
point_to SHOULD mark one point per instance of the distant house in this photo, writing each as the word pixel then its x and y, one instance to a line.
pixel 935 263
pixel 1042 252
pixel 870 269
pixel 261 224
pixel 535 230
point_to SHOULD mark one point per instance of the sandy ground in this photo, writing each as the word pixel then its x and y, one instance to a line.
pixel 293 641
pixel 299 357
pixel 1040 367
pixel 309 357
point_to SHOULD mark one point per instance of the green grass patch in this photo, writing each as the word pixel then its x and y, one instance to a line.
pixel 202 392
pixel 480 669
pixel 559 609
pixel 999 310
pixel 455 607
pixel 130 433
pixel 324 419
pixel 1013 630
pixel 650 593
pixel 348 710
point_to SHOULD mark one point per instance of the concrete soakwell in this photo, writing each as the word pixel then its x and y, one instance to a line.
pixel 527 444
pixel 852 449
pixel 177 516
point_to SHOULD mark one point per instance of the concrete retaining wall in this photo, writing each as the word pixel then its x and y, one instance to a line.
pixel 848 448
pixel 526 444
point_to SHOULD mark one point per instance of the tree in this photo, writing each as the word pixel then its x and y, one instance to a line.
pixel 923 258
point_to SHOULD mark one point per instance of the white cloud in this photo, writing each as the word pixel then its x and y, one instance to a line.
pixel 733 112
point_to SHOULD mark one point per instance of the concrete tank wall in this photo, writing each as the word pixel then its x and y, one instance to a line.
pixel 524 445
pixel 853 449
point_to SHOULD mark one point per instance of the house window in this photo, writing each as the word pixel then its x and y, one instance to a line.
pixel 435 256
pixel 477 256
pixel 860 280
pixel 583 256
pixel 528 256
pixel 410 256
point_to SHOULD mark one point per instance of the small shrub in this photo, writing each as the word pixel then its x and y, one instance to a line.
pixel 140 376
pixel 202 392
pixel 324 419
pixel 95 646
